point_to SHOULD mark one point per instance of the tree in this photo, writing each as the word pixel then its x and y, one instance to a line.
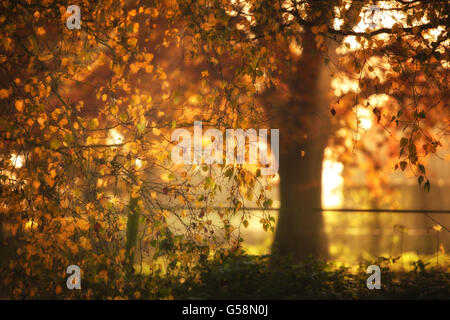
pixel 87 115
pixel 293 39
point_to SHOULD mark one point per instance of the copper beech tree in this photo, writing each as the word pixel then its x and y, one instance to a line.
pixel 87 116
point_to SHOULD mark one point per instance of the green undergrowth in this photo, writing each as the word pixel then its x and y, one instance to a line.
pixel 264 277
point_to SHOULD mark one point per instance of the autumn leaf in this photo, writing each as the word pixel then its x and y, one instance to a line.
pixel 141 127
pixel 55 143
pixel 58 289
pixel 19 105
pixel 403 165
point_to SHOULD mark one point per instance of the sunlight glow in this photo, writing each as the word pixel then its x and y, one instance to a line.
pixel 114 137
pixel 332 182
pixel 364 117
pixel 343 85
pixel 17 161
pixel 371 20
pixel 295 48
pixel 30 224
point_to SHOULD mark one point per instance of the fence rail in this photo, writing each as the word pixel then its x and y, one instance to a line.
pixel 425 212
pixel 345 210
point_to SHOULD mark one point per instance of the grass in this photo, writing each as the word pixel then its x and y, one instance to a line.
pixel 262 277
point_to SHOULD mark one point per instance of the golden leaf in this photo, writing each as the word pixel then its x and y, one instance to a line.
pixel 58 289
pixel 19 105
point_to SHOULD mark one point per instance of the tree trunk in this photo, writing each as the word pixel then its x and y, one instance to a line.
pixel 302 115
pixel 131 234
pixel 300 229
